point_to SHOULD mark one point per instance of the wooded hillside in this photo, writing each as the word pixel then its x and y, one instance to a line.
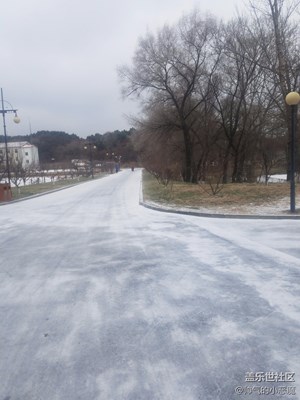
pixel 61 147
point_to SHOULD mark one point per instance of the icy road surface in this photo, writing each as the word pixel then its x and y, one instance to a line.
pixel 103 299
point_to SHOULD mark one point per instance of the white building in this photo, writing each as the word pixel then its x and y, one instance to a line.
pixel 20 152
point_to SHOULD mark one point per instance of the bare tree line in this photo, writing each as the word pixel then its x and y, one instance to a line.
pixel 213 93
pixel 19 173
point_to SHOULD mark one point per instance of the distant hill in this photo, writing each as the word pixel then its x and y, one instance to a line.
pixel 63 147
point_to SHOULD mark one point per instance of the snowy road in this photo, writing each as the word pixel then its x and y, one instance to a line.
pixel 103 299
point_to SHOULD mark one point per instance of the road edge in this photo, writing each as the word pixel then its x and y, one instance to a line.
pixel 195 213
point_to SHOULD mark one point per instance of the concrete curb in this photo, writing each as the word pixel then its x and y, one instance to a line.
pixel 194 213
pixel 6 203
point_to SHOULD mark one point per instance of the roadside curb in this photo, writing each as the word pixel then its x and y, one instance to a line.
pixel 195 213
pixel 5 203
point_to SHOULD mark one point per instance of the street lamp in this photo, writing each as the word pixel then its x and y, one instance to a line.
pixel 292 99
pixel 91 146
pixel 16 119
pixel 110 161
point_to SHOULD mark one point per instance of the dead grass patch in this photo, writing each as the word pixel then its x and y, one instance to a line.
pixel 31 190
pixel 233 194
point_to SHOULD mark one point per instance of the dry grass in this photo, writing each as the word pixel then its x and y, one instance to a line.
pixel 30 190
pixel 190 195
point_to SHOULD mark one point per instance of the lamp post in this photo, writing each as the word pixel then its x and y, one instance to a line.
pixel 119 163
pixel 110 161
pixel 91 147
pixel 16 119
pixel 292 99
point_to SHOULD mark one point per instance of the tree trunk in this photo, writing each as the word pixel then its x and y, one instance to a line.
pixel 238 168
pixel 188 161
pixel 226 165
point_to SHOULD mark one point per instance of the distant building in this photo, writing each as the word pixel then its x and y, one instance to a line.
pixel 20 152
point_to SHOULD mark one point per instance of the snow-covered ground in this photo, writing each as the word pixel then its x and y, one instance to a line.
pixel 273 208
pixel 276 178
pixel 101 298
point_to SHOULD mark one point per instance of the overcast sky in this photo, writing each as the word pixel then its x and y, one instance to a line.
pixel 59 58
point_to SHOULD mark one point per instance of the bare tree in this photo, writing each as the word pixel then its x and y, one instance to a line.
pixel 171 70
pixel 160 154
pixel 239 96
pixel 279 39
pixel 20 173
pixel 271 148
pixel 216 89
